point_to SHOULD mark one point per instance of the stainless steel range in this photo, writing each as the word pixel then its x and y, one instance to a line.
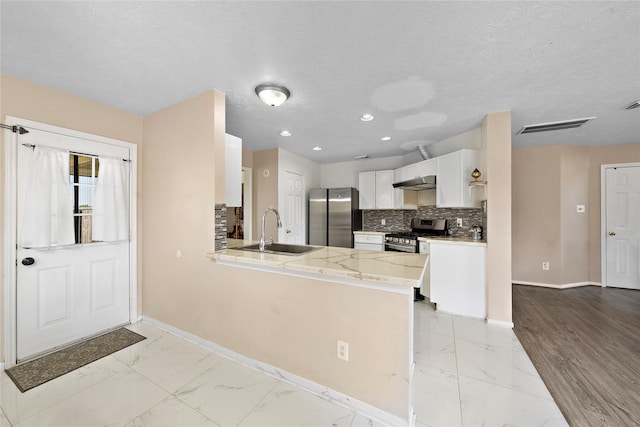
pixel 408 241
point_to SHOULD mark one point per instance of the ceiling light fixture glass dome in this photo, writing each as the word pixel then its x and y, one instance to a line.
pixel 271 94
pixel 285 133
pixel 366 117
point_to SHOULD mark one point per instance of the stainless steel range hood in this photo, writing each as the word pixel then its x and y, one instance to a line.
pixel 417 184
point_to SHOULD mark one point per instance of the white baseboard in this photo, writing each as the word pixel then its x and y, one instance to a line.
pixel 319 390
pixel 554 286
pixel 500 323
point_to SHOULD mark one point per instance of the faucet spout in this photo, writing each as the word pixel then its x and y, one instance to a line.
pixel 263 243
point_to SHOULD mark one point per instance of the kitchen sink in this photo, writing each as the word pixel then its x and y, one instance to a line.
pixel 280 249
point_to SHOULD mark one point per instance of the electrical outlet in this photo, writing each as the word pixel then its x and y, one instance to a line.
pixel 459 222
pixel 545 265
pixel 343 351
pixel 383 221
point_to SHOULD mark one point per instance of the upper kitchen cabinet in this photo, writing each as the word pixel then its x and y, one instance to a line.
pixel 377 192
pixel 416 170
pixel 453 177
pixel 233 169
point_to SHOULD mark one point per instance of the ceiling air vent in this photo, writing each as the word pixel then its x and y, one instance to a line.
pixel 545 127
pixel 634 104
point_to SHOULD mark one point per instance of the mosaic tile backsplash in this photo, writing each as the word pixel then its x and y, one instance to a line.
pixel 220 226
pixel 397 219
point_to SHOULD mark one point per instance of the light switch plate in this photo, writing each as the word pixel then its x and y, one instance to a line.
pixel 580 208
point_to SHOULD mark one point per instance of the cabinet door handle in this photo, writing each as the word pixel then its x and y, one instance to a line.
pixel 612 233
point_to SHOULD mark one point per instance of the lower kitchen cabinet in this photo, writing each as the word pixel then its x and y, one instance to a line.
pixel 458 283
pixel 370 242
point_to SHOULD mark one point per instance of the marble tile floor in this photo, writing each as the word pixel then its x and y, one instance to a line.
pixel 467 374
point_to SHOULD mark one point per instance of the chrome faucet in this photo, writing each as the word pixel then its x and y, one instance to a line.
pixel 263 243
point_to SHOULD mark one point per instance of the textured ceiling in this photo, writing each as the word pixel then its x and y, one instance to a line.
pixel 426 70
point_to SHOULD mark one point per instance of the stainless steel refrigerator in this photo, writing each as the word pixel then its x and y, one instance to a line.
pixel 333 216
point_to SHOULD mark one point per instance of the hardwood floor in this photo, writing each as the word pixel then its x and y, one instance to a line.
pixel 585 343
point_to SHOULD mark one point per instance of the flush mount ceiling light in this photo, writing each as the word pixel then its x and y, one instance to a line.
pixel 272 94
pixel 385 138
pixel 366 117
pixel 285 133
pixel 362 156
pixel 545 127
pixel 317 148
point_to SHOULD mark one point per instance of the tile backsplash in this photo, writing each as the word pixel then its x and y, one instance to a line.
pixel 396 219
pixel 220 226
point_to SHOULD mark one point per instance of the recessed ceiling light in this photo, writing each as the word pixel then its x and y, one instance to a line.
pixel 366 117
pixel 362 156
pixel 317 148
pixel 385 138
pixel 285 133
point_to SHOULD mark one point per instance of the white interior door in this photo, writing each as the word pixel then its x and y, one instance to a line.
pixel 622 233
pixel 67 293
pixel 293 220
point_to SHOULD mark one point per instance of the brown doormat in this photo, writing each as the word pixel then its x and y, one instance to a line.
pixel 46 368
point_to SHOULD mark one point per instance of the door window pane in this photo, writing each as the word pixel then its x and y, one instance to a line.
pixel 83 173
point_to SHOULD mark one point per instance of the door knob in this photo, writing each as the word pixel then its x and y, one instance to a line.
pixel 612 233
pixel 28 261
pixel 288 231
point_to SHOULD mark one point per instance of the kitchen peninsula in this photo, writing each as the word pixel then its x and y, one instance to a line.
pixel 301 306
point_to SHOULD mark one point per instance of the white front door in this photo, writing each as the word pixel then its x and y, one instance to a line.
pixel 67 293
pixel 293 220
pixel 622 233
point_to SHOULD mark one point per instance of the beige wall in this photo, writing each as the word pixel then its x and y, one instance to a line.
pixel 265 190
pixel 26 100
pixel 548 183
pixel 496 134
pixel 536 214
pixel 288 322
pixel 180 178
pixel 247 159
pixel 574 191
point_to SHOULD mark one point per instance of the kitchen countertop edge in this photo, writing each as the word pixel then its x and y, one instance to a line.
pixel 356 266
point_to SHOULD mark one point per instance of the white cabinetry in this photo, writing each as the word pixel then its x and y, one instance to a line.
pixel 415 170
pixel 377 192
pixel 458 279
pixel 367 190
pixel 371 242
pixel 453 177
pixel 233 169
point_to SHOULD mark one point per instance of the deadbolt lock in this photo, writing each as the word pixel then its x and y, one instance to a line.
pixel 612 233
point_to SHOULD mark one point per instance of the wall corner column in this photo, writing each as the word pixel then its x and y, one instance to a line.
pixel 496 133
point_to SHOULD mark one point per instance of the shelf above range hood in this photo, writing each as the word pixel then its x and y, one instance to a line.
pixel 417 184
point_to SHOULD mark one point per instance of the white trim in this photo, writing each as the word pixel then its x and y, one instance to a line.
pixel 10 236
pixel 603 216
pixel 10 225
pixel 500 323
pixel 319 390
pixel 248 205
pixel 555 286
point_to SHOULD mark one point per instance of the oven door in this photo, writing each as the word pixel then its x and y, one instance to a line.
pixel 395 247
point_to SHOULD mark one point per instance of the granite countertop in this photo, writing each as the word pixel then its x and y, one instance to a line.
pixel 383 268
pixel 453 240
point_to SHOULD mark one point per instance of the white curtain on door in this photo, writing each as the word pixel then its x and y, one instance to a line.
pixel 111 201
pixel 48 208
